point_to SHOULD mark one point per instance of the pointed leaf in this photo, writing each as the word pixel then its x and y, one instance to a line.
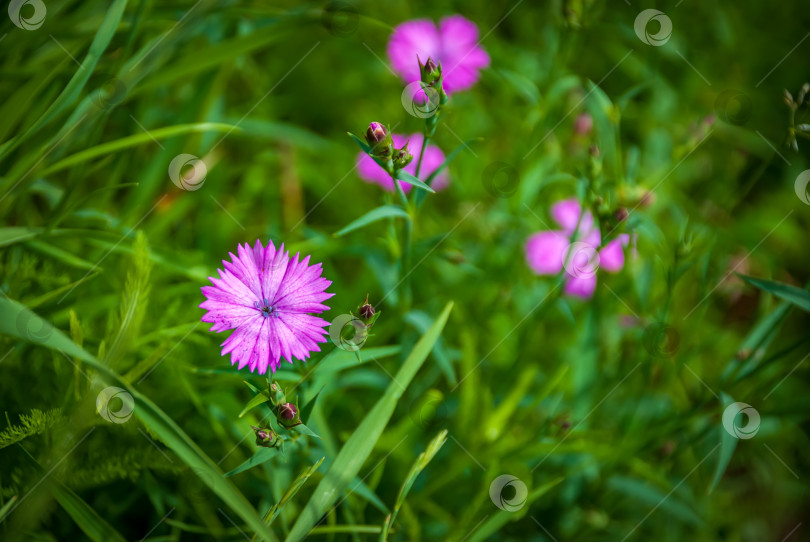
pixel 374 215
pixel 403 175
pixel 360 445
pixel 797 296
pixel 262 455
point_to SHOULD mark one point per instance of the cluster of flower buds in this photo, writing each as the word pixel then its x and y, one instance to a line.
pixel 796 109
pixel 433 86
pixel 379 139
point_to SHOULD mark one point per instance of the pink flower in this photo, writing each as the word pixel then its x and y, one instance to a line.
pixel 265 296
pixel 548 252
pixel 453 43
pixel 371 172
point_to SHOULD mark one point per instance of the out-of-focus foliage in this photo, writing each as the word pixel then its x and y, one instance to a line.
pixel 609 410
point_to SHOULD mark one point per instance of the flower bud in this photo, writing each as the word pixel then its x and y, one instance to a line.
pixel 265 437
pixel 432 76
pixel 402 157
pixel 379 140
pixel 367 310
pixel 288 415
pixel 584 124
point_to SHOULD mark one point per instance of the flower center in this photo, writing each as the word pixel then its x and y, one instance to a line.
pixel 266 309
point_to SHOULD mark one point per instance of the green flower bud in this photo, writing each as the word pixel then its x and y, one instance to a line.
pixel 265 437
pixel 402 157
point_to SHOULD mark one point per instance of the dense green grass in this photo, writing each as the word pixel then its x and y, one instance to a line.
pixel 608 410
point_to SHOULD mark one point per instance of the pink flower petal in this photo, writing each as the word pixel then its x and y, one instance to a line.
pixel 545 251
pixel 580 286
pixel 611 257
pixel 460 55
pixel 408 40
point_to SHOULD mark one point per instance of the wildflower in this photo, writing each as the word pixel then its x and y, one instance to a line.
pixel 266 297
pixel 371 172
pixel 548 252
pixel 366 310
pixel 453 44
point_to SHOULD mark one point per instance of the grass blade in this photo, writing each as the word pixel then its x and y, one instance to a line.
pixel 360 445
pixel 374 215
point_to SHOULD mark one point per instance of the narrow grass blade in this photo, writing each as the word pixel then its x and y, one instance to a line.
pixel 360 445
pixel 386 211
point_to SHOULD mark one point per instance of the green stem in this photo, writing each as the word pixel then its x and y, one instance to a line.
pixel 421 154
pixel 407 249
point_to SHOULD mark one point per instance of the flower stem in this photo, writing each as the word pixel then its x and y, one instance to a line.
pixel 421 155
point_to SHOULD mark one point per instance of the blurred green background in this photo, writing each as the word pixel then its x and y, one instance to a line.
pixel 607 410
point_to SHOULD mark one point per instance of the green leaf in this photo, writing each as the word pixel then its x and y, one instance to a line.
pixel 166 429
pixel 9 236
pixel 304 430
pixel 85 517
pixel 360 445
pixel 257 400
pixel 306 412
pixel 74 87
pixel 403 175
pixel 419 465
pixel 362 144
pixel 797 296
pixel 262 455
pixel 728 443
pixel 135 140
pixel 299 482
pixel 502 517
pixel 374 215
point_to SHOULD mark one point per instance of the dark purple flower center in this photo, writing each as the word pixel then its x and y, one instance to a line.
pixel 266 309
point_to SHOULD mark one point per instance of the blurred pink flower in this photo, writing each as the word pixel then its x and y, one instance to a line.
pixel 547 252
pixel 266 297
pixel 453 43
pixel 371 172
